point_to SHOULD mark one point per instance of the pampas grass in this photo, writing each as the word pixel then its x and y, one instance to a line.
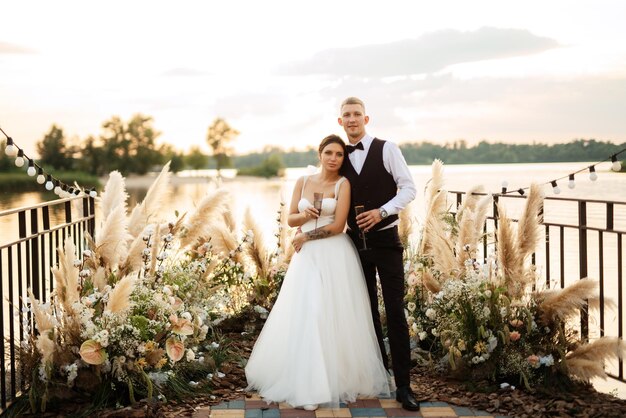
pixel 149 207
pixel 509 261
pixel 256 249
pixel 406 224
pixel 430 282
pixel 119 297
pixel 561 304
pixel 587 361
pixel 210 207
pixel 111 238
pixel 435 198
pixel 43 320
pixel 529 228
pixel 66 276
pixel 113 195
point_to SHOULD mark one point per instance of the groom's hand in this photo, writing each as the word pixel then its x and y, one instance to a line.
pixel 367 220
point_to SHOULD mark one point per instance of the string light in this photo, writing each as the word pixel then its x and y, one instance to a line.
pixel 31 171
pixel 10 149
pixel 555 187
pixel 41 179
pixel 50 183
pixel 521 192
pixel 571 184
pixel 616 166
pixel 505 184
pixel 19 161
pixel 592 173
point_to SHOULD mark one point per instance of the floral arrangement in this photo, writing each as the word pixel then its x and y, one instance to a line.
pixel 134 316
pixel 481 318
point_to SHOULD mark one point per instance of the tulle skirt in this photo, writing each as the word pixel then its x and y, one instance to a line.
pixel 318 345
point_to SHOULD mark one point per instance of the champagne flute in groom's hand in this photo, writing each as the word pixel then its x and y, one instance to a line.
pixel 359 209
pixel 317 204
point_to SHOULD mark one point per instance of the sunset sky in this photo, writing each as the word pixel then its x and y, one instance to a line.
pixel 544 71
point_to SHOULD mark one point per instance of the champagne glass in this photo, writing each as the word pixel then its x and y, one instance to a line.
pixel 317 204
pixel 359 209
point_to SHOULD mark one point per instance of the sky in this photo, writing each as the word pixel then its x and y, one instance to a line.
pixel 277 71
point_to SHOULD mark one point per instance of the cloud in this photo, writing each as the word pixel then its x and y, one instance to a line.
pixel 238 106
pixel 7 48
pixel 427 54
pixel 441 108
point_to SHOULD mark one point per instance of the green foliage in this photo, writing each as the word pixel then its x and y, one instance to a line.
pixel 219 137
pixel 53 150
pixel 272 166
pixel 196 159
pixel 20 182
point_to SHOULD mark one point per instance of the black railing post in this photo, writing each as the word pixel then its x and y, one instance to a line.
pixel 582 262
pixel 34 254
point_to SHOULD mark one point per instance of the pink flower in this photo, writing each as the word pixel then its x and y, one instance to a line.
pixel 516 323
pixel 92 352
pixel 514 336
pixel 175 348
pixel 534 361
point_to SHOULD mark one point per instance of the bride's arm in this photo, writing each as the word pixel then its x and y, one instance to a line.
pixel 296 218
pixel 334 228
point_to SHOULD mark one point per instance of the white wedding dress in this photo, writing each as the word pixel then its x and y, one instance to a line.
pixel 318 345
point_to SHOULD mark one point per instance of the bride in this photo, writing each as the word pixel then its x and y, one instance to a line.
pixel 318 345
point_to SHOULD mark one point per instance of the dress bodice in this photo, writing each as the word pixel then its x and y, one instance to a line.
pixel 329 204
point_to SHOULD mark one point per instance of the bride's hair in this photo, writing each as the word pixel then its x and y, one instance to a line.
pixel 332 139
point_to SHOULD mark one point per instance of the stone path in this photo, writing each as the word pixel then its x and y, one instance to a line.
pixel 254 407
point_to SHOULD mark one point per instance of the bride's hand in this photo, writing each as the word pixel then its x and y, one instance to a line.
pixel 298 241
pixel 310 213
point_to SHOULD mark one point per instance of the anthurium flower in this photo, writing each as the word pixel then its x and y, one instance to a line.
pixel 92 352
pixel 175 348
pixel 181 326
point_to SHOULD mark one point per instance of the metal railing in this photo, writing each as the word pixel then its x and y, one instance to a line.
pixel 582 238
pixel 25 265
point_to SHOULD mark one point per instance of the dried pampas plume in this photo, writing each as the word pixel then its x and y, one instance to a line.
pixel 113 195
pixel 529 226
pixel 66 276
pixel 587 361
pixel 435 198
pixel 119 297
pixel 111 238
pixel 209 207
pixel 563 303
pixel 509 260
pixel 430 282
pixel 43 320
pixel 405 226
pixel 150 205
pixel 256 249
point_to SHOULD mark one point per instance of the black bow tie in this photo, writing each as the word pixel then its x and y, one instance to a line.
pixel 351 148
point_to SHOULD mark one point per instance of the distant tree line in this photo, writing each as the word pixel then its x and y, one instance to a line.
pixel 419 153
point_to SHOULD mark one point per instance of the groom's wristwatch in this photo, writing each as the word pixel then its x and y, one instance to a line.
pixel 383 213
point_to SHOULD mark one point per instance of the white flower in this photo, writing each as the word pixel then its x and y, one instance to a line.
pixel 430 313
pixel 186 315
pixel 488 293
pixel 423 335
pixel 486 311
pixel 411 306
pixel 547 360
pixel 190 355
pixel 214 345
pixel 220 374
pixel 492 343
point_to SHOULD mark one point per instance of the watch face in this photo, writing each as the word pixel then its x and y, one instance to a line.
pixel 383 213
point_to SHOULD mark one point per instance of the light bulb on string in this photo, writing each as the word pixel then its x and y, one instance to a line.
pixel 555 187
pixel 571 184
pixel 616 166
pixel 93 193
pixel 31 171
pixel 593 176
pixel 49 185
pixel 505 184
pixel 57 188
pixel 19 161
pixel 521 192
pixel 41 179
pixel 11 149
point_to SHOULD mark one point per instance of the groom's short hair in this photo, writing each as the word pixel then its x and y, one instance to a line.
pixel 352 101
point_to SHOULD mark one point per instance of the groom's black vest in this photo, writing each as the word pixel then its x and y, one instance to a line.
pixel 373 187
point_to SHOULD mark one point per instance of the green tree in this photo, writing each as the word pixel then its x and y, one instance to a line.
pixel 53 150
pixel 196 159
pixel 219 137
pixel 130 148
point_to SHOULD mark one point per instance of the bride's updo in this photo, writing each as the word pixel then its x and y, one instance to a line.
pixel 332 139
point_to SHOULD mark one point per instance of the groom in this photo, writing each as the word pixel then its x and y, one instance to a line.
pixel 381 181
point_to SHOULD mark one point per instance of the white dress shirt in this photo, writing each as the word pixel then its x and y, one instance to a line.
pixel 395 164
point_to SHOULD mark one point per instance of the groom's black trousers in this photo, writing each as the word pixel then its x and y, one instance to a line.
pixel 385 255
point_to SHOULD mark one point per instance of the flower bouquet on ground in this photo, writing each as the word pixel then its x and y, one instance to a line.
pixel 483 319
pixel 135 315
